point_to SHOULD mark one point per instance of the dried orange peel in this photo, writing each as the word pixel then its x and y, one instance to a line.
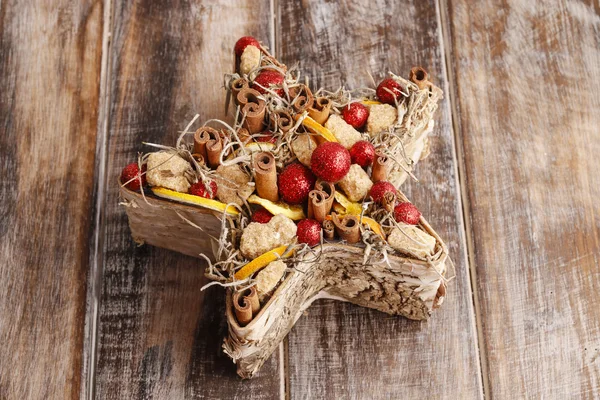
pixel 194 200
pixel 371 102
pixel 350 206
pixel 260 262
pixel 370 222
pixel 318 129
pixel 293 212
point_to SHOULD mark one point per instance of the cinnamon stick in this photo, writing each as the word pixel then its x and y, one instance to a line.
pixel 236 86
pixel 214 147
pixel 246 305
pixel 282 120
pixel 319 111
pixel 420 77
pixel 266 176
pixel 320 200
pixel 381 167
pixel 199 158
pixel 302 98
pixel 201 137
pixel 389 201
pixel 253 108
pixel 328 229
pixel 348 228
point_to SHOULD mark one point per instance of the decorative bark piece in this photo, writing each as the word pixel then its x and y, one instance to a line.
pixel 320 110
pixel 420 77
pixel 381 166
pixel 246 305
pixel 348 228
pixel 302 98
pixel 320 200
pixel 266 176
pixel 253 109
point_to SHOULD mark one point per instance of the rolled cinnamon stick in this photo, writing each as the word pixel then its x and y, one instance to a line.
pixel 320 200
pixel 253 108
pixel 199 158
pixel 328 229
pixel 348 228
pixel 282 120
pixel 246 305
pixel 266 176
pixel 214 147
pixel 201 137
pixel 389 201
pixel 236 86
pixel 319 111
pixel 381 166
pixel 420 77
pixel 302 98
pixel 244 135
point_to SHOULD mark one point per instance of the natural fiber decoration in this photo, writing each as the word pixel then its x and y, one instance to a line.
pixel 282 121
pixel 320 110
pixel 214 147
pixel 246 305
pixel 403 286
pixel 320 200
pixel 420 77
pixel 381 166
pixel 237 85
pixel 266 176
pixel 348 228
pixel 302 98
pixel 253 109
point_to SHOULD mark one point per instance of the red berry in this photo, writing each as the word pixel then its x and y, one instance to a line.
pixel 129 173
pixel 379 189
pixel 355 114
pixel 266 137
pixel 269 79
pixel 388 91
pixel 362 153
pixel 244 42
pixel 309 232
pixel 330 161
pixel 200 189
pixel 406 212
pixel 261 215
pixel 295 182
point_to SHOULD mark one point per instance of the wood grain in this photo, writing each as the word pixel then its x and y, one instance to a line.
pixel 159 336
pixel 49 73
pixel 341 350
pixel 527 84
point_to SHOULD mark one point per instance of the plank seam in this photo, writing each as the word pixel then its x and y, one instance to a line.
pixel 96 257
pixel 446 43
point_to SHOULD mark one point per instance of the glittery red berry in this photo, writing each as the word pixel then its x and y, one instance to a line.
pixel 261 215
pixel 266 137
pixel 129 173
pixel 388 91
pixel 295 182
pixel 269 79
pixel 200 189
pixel 330 161
pixel 406 212
pixel 355 114
pixel 379 189
pixel 362 153
pixel 309 232
pixel 244 42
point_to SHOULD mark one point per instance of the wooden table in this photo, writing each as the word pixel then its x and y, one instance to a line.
pixel 512 185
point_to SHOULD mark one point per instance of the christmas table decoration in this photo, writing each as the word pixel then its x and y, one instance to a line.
pixel 296 199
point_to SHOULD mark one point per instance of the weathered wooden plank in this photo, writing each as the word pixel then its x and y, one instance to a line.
pixel 527 80
pixel 159 336
pixel 49 91
pixel 340 350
